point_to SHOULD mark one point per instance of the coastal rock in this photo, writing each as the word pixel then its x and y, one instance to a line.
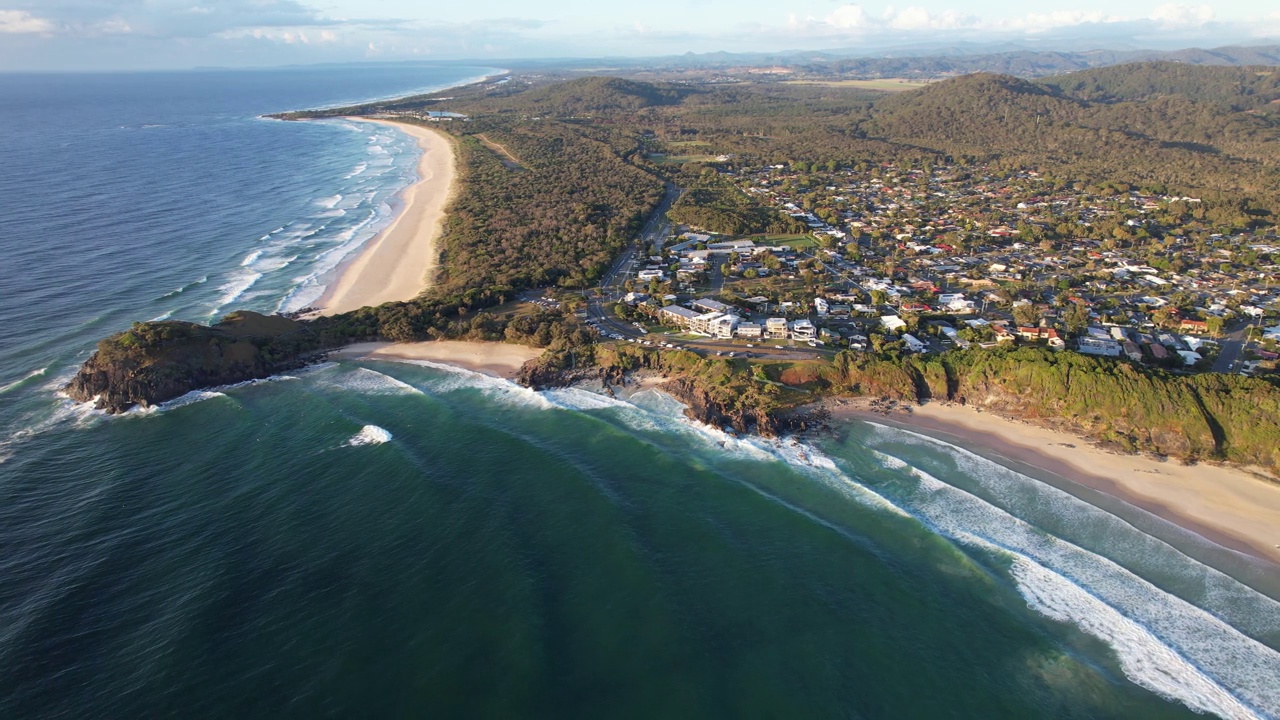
pixel 705 408
pixel 154 362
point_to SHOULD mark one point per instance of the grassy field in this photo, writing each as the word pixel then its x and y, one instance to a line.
pixel 687 143
pixel 882 84
pixel 796 242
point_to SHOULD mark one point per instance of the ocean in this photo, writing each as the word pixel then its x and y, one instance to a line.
pixel 405 539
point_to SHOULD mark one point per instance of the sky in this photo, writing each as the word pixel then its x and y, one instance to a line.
pixel 175 34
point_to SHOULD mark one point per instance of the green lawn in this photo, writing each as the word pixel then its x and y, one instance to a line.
pixel 796 242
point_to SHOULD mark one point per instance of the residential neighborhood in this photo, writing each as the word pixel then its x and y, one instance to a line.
pixel 926 259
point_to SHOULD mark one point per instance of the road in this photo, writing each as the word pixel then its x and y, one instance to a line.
pixel 1232 345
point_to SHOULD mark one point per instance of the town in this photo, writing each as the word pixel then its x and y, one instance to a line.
pixel 924 259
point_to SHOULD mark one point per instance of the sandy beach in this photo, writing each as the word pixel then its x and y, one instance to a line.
pixel 1230 507
pixel 398 263
pixel 490 358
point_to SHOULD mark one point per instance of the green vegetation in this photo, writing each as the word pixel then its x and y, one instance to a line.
pixel 716 205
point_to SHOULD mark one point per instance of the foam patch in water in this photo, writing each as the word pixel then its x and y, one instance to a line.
pixel 369 435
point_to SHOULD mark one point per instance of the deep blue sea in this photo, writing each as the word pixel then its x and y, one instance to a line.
pixel 378 540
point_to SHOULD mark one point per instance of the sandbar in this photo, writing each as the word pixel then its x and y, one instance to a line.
pixel 489 358
pixel 398 263
pixel 1231 507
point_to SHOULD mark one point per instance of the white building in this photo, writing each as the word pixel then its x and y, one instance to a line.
pixel 821 306
pixel 723 326
pixel 676 315
pixel 647 275
pixel 709 305
pixel 892 323
pixel 914 343
pixel 803 330
pixel 1098 346
pixel 775 328
pixel 750 331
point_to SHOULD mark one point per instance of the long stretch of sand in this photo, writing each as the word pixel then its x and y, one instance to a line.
pixel 398 263
pixel 490 358
pixel 1230 507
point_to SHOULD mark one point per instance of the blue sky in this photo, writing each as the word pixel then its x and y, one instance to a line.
pixel 120 34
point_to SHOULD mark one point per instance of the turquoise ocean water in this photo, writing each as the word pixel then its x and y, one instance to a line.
pixel 377 539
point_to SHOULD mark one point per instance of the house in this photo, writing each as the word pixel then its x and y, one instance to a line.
pixel 914 344
pixel 1131 351
pixel 1097 346
pixel 803 330
pixel 821 306
pixel 1157 351
pixel 775 328
pixel 646 275
pixel 1189 357
pixel 1188 325
pixel 751 331
pixel 892 323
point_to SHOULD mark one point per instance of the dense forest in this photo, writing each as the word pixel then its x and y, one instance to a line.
pixel 1210 132
pixel 711 203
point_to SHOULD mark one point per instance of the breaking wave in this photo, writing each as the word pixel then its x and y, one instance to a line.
pixel 369 435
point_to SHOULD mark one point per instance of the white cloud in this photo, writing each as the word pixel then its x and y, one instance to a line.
pixel 1183 15
pixel 916 18
pixel 1041 22
pixel 847 17
pixel 22 22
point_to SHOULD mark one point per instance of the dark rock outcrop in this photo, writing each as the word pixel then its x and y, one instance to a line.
pixel 155 362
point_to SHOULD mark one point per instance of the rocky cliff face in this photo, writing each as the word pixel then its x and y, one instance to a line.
pixel 705 408
pixel 116 386
pixel 155 362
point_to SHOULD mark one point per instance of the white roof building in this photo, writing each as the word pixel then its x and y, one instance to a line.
pixel 892 323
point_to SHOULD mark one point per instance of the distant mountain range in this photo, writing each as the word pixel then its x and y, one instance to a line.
pixel 941 61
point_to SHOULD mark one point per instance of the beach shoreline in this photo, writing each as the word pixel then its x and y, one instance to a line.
pixel 495 359
pixel 399 262
pixel 1229 507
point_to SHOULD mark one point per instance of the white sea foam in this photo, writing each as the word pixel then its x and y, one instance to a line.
pixel 65 413
pixel 1028 498
pixel 33 374
pixel 369 435
pixel 163 316
pixel 1168 645
pixel 234 287
pixel 370 382
pixel 329 203
pixel 357 170
pixel 190 398
pixel 495 388
pixel 1143 658
pixel 251 258
pixel 185 288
